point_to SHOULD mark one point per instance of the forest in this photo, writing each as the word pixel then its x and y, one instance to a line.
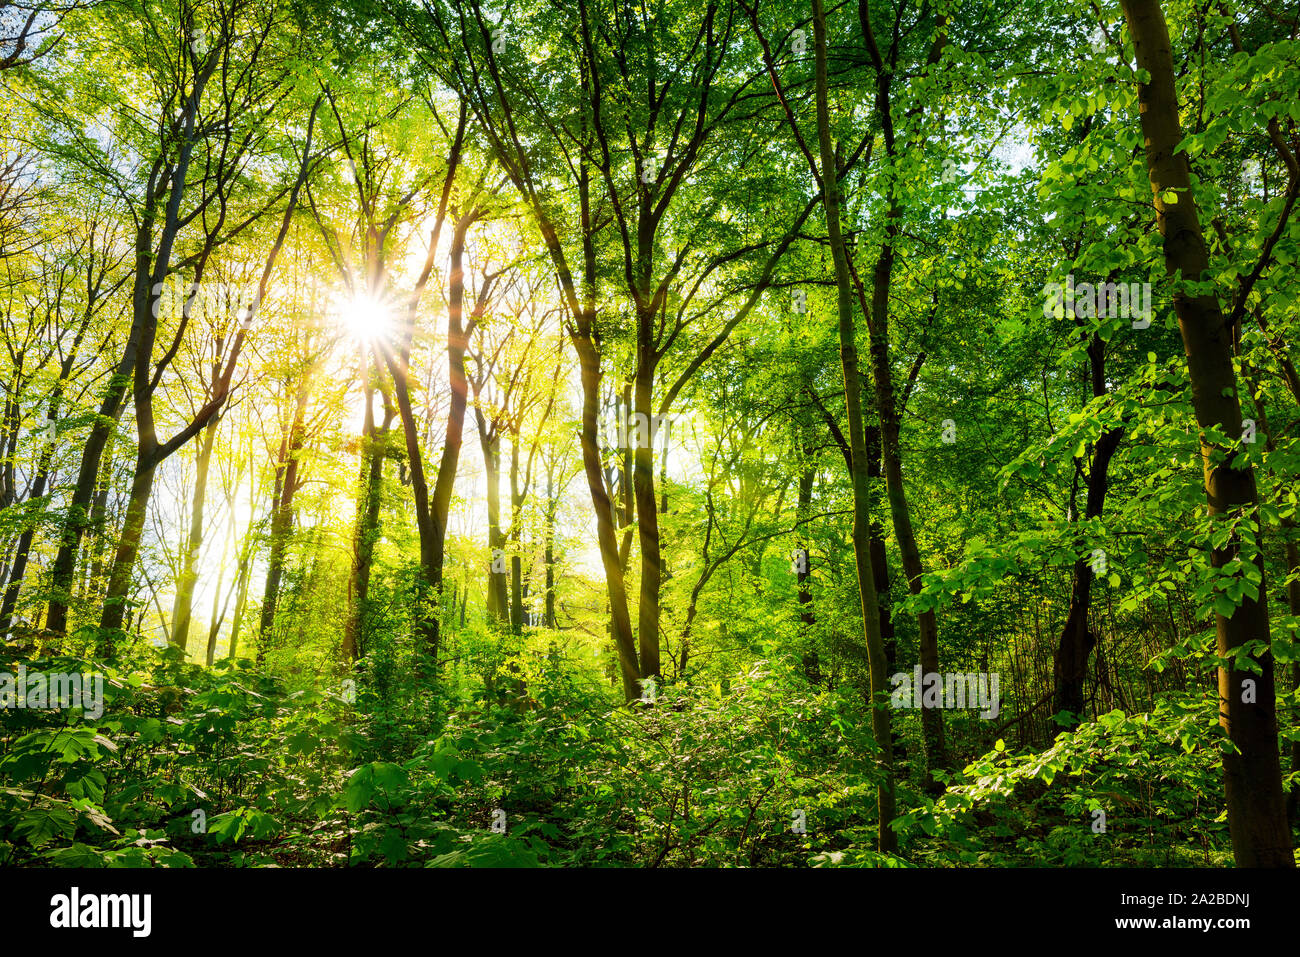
pixel 649 434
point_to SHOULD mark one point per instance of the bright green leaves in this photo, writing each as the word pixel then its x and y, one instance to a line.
pixel 379 781
pixel 1147 773
pixel 244 821
pixel 40 825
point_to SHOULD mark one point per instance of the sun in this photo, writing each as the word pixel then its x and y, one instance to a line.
pixel 366 317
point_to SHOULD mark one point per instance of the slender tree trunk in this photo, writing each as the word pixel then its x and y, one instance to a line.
pixel 42 477
pixel 1247 710
pixel 12 419
pixel 63 569
pixel 119 580
pixel 879 552
pixel 663 469
pixel 498 600
pixel 623 409
pixel 151 265
pixel 552 504
pixel 620 618
pixel 98 533
pixel 887 840
pixel 440 507
pixel 516 560
pixel 1070 667
pixel 241 603
pixel 23 549
pixel 287 484
pixel 803 573
pixel 19 569
pixel 892 461
pixel 1293 605
pixel 366 533
pixel 214 626
pixel 182 607
pixel 464 601
pixel 647 513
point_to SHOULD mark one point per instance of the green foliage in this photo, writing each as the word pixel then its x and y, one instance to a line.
pixel 1151 776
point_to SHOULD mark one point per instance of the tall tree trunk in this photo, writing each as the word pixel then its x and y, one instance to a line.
pixel 98 533
pixel 647 513
pixel 366 532
pixel 892 461
pixel 1252 771
pixel 63 569
pixel 516 560
pixel 879 553
pixel 42 477
pixel 12 424
pixel 214 626
pixel 616 587
pixel 803 573
pixel 887 840
pixel 432 513
pixel 877 315
pixel 119 580
pixel 182 607
pixel 152 268
pixel 24 546
pixel 23 549
pixel 287 483
pixel 1293 605
pixel 1070 667
pixel 241 602
pixel 552 505
pixel 623 409
pixel 498 601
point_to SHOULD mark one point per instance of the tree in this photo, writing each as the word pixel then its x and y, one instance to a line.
pixel 1252 773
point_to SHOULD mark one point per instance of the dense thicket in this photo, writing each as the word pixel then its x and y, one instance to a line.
pixel 574 433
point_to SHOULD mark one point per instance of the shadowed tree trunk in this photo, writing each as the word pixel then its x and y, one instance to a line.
pixel 879 554
pixel 23 549
pixel 74 527
pixel 1077 640
pixel 241 602
pixel 887 405
pixel 886 839
pixel 457 344
pixel 98 532
pixel 1293 604
pixel 803 574
pixel 153 267
pixel 647 512
pixel 1247 698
